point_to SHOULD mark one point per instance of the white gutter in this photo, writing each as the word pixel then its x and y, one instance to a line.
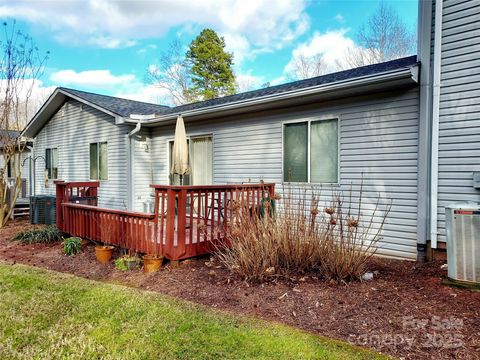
pixel 437 59
pixel 142 117
pixel 411 72
pixel 131 165
pixel 136 130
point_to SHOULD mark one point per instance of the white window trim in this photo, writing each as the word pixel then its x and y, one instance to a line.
pixel 98 161
pixel 309 121
pixel 52 148
pixel 189 137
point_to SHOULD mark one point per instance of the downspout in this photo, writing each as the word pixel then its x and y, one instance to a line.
pixel 425 11
pixel 437 58
pixel 131 165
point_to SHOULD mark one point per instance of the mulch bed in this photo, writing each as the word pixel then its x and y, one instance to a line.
pixel 405 311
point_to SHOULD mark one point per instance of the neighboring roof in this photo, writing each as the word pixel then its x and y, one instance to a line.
pixel 119 106
pixel 301 84
pixel 10 133
pixel 13 134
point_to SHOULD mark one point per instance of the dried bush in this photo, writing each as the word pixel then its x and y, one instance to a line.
pixel 332 241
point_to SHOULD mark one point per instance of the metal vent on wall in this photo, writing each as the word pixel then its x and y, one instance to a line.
pixel 463 242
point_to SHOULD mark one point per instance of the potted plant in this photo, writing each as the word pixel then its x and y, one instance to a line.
pixel 127 262
pixel 152 263
pixel 104 253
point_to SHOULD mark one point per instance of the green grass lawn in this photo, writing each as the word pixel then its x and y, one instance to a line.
pixel 45 314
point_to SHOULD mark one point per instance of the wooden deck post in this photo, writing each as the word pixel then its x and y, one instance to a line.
pixel 181 223
pixel 170 225
pixel 60 198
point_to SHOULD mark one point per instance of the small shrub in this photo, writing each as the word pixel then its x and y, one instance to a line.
pixel 127 262
pixel 47 234
pixel 72 246
pixel 120 264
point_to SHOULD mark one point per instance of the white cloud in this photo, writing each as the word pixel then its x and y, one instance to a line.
pixel 112 23
pixel 146 49
pixel 145 93
pixel 126 85
pixel 332 47
pixel 339 17
pixel 278 80
pixel 111 43
pixel 100 79
pixel 239 46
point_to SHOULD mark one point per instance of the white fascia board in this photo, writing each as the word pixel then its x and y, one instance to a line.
pixel 37 117
pixel 410 72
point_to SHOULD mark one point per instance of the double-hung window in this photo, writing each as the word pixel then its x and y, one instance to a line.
pixel 51 163
pixel 98 161
pixel 310 151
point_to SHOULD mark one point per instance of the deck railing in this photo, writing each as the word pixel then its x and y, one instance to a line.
pixel 187 222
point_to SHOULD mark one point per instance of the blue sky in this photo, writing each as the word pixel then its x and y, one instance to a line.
pixel 106 46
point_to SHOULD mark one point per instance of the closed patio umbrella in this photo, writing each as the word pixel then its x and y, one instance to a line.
pixel 180 151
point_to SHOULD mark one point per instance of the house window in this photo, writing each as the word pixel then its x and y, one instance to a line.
pixel 98 161
pixel 310 151
pixel 51 163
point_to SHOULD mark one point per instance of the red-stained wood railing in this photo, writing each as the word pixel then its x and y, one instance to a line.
pixel 80 192
pixel 188 220
pixel 126 229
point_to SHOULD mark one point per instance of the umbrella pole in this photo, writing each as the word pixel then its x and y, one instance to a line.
pixel 176 204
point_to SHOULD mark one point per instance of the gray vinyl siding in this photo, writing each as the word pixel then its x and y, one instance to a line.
pixel 71 130
pixel 142 169
pixel 378 137
pixel 459 136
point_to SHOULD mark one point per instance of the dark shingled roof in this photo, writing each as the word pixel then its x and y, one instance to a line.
pixel 301 84
pixel 122 107
pixel 126 107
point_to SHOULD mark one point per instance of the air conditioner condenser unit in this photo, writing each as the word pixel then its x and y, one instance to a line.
pixel 463 242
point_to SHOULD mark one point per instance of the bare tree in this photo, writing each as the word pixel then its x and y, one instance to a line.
pixel 20 66
pixel 172 74
pixel 382 38
pixel 304 67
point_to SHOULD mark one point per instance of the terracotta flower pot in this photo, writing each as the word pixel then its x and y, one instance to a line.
pixel 104 253
pixel 152 263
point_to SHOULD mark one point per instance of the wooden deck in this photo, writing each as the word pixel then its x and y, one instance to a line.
pixel 188 220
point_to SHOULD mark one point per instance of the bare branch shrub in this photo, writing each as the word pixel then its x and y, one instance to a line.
pixel 332 241
pixel 20 66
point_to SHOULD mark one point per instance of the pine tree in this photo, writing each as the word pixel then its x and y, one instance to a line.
pixel 210 66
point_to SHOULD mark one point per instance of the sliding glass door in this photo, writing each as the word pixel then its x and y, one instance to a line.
pixel 200 160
